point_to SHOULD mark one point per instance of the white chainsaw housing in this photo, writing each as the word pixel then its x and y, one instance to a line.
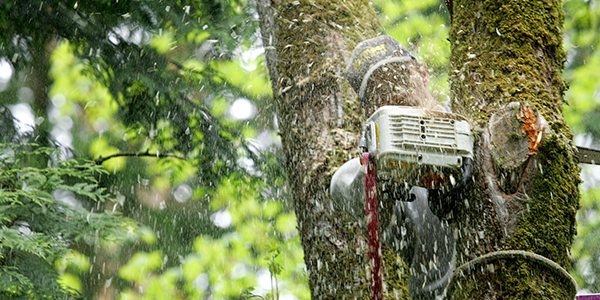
pixel 418 147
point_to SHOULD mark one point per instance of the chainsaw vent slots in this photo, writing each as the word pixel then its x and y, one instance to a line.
pixel 400 137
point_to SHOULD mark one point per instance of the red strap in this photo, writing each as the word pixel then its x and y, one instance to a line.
pixel 372 225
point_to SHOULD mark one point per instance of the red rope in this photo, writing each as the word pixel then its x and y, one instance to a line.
pixel 372 226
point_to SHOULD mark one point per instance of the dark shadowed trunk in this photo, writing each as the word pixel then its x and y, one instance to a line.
pixel 40 82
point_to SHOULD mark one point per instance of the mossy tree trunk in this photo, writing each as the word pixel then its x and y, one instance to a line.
pixel 525 194
pixel 308 44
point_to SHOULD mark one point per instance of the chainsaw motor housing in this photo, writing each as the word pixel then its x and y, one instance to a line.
pixel 413 146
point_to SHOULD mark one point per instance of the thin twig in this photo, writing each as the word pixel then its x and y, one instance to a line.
pixel 146 153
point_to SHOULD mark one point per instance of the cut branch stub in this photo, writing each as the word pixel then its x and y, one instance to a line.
pixel 515 134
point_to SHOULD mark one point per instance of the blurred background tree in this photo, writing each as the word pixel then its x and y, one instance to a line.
pixel 582 43
pixel 203 211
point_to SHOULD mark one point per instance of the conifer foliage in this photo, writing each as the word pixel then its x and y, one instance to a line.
pixel 40 218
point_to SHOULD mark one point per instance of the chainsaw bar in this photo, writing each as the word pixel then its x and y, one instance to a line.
pixel 588 155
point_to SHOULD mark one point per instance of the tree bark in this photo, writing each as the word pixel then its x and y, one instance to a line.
pixel 525 194
pixel 505 77
pixel 40 82
pixel 307 46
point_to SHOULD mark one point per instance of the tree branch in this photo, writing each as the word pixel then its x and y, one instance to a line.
pixel 146 153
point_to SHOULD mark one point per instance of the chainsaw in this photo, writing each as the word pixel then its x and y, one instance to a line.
pixel 412 146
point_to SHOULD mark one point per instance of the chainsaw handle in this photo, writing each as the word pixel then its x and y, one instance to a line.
pixel 441 203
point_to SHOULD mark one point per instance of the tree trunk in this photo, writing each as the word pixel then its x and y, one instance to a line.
pixel 307 46
pixel 525 194
pixel 40 82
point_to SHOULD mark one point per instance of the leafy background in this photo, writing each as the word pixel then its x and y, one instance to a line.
pixel 203 212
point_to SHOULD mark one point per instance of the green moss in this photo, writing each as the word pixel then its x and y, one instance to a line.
pixel 512 279
pixel 332 255
pixel 502 52
pixel 313 41
pixel 548 225
pixel 396 275
pixel 315 28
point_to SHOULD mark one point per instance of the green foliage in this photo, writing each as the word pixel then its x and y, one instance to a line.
pixel 44 211
pixel 157 77
pixel 261 242
pixel 586 248
pixel 421 27
pixel 582 112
